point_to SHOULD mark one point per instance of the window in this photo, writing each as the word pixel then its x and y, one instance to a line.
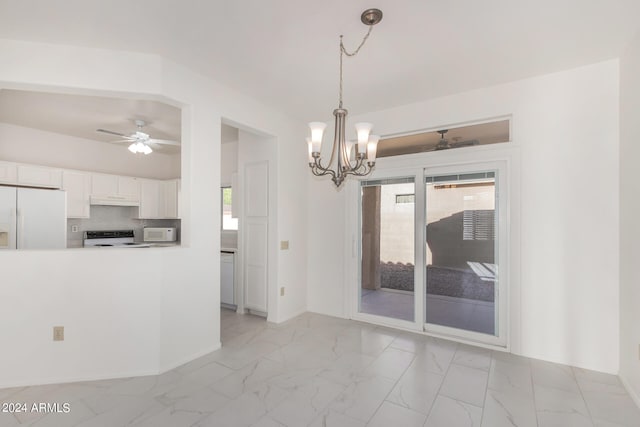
pixel 478 224
pixel 229 223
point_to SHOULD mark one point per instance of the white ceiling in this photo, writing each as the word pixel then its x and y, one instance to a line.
pixel 285 52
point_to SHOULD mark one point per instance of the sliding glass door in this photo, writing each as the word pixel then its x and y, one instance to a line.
pixel 387 248
pixel 433 251
pixel 461 252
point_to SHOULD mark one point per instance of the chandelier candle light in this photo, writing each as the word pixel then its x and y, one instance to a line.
pixel 366 147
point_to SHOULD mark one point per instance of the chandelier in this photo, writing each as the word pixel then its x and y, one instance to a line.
pixel 362 162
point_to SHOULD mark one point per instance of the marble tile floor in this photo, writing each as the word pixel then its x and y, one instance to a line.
pixel 381 302
pixel 316 370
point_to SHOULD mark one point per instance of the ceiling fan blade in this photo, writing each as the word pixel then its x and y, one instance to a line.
pixel 428 149
pixel 164 142
pixel 111 132
pixel 443 144
pixel 120 141
pixel 465 143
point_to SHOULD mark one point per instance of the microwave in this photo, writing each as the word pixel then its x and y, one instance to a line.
pixel 158 234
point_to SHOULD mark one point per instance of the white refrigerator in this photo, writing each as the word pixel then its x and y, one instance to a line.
pixel 32 218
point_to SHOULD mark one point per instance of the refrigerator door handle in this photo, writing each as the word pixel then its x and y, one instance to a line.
pixel 20 230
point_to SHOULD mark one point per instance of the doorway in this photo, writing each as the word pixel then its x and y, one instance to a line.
pixel 248 219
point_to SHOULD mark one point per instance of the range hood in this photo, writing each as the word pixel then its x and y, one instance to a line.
pixel 108 200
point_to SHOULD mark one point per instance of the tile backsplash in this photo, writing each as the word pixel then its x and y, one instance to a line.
pixel 113 218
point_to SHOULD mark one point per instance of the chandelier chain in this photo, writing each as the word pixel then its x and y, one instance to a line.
pixel 343 51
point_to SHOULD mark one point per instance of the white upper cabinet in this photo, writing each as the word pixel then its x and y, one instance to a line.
pixel 103 185
pixel 78 188
pixel 39 176
pixel 128 186
pixel 159 199
pixel 151 199
pixel 171 198
pixel 8 173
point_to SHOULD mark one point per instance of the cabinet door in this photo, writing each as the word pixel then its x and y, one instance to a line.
pixel 78 188
pixel 8 173
pixel 104 185
pixel 128 186
pixel 39 176
pixel 150 198
pixel 171 198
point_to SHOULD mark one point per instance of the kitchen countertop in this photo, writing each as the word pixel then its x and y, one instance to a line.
pixel 234 250
pixel 164 244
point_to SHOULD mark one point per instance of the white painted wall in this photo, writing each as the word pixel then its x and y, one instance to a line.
pixel 326 292
pixel 27 145
pixel 629 214
pixel 566 125
pixel 154 309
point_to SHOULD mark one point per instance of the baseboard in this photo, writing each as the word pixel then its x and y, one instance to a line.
pixel 630 390
pixel 131 374
pixel 294 314
pixel 336 315
pixel 189 358
pixel 66 380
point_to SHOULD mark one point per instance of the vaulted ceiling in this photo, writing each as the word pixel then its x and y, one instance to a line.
pixel 285 52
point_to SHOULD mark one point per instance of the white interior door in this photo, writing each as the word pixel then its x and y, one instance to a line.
pixel 256 219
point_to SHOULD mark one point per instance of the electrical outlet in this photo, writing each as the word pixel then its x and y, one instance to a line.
pixel 282 291
pixel 58 333
pixel 284 245
pixel 74 228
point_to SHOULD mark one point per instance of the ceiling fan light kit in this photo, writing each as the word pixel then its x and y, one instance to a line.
pixel 140 141
pixel 140 147
pixel 365 155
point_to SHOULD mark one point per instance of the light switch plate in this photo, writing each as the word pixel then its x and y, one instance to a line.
pixel 282 291
pixel 284 245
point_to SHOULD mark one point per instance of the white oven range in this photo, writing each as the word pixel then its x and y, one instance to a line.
pixel 111 239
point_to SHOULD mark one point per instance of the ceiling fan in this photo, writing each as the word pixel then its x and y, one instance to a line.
pixel 444 144
pixel 140 141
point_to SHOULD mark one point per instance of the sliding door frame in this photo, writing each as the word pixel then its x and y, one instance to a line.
pixel 507 156
pixel 356 251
